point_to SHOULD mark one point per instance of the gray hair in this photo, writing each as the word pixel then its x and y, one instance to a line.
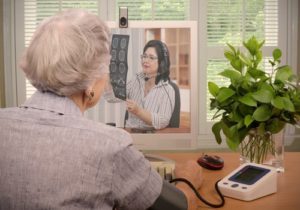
pixel 67 53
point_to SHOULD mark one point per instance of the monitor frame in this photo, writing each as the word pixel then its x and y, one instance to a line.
pixel 171 141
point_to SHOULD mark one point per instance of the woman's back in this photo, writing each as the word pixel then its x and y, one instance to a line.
pixel 51 157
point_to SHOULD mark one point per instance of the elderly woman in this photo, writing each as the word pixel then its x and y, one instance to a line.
pixel 51 157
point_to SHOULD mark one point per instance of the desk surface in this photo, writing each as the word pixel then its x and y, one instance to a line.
pixel 164 130
pixel 288 189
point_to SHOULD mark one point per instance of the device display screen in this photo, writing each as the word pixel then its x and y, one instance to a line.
pixel 249 175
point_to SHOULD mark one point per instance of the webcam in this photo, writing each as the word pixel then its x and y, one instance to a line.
pixel 123 17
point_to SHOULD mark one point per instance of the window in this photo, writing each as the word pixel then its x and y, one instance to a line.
pixel 219 22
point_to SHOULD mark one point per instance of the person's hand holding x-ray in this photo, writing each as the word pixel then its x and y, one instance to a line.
pixel 135 109
pixel 132 106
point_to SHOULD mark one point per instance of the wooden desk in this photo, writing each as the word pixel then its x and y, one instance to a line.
pixel 164 130
pixel 288 189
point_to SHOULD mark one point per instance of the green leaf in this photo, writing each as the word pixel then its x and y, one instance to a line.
pixel 213 88
pixel 283 73
pixel 231 74
pixel 293 79
pixel 268 87
pixel 229 55
pixel 258 57
pixel 246 109
pixel 288 105
pixel 237 64
pixel 248 100
pixel 213 103
pixel 240 124
pixel 296 101
pixel 245 60
pixel 216 129
pixel 225 129
pixel 261 44
pixel 248 120
pixel 252 45
pixel 243 133
pixel 278 102
pixel 232 48
pixel 233 140
pixel 232 143
pixel 276 54
pixel 263 95
pixel 224 94
pixel 256 73
pixel 275 125
pixel 262 113
pixel 261 128
pixel 235 116
pixel 216 116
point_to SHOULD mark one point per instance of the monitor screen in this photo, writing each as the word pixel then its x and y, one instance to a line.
pixel 181 40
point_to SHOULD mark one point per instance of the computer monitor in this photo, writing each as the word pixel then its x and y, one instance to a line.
pixel 181 40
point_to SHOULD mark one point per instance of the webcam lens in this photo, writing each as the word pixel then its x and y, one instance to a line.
pixel 123 21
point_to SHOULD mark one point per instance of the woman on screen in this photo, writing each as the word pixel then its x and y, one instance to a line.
pixel 151 98
pixel 150 95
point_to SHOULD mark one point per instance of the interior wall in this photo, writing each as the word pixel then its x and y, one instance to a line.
pixel 2 96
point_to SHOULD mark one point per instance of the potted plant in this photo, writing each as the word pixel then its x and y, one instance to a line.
pixel 256 104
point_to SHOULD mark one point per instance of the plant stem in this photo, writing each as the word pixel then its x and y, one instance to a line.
pixel 257 147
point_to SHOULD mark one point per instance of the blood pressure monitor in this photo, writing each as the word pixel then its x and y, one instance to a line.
pixel 249 181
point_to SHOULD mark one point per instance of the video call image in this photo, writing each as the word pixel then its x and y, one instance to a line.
pixel 118 64
pixel 126 65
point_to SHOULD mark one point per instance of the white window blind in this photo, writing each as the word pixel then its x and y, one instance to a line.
pixel 156 9
pixel 234 21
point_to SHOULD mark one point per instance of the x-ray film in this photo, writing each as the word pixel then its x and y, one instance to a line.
pixel 118 64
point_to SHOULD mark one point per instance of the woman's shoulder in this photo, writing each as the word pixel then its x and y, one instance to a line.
pixel 166 85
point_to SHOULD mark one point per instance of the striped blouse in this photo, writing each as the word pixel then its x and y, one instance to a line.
pixel 160 102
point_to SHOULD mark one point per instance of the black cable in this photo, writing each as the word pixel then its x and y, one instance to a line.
pixel 199 196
